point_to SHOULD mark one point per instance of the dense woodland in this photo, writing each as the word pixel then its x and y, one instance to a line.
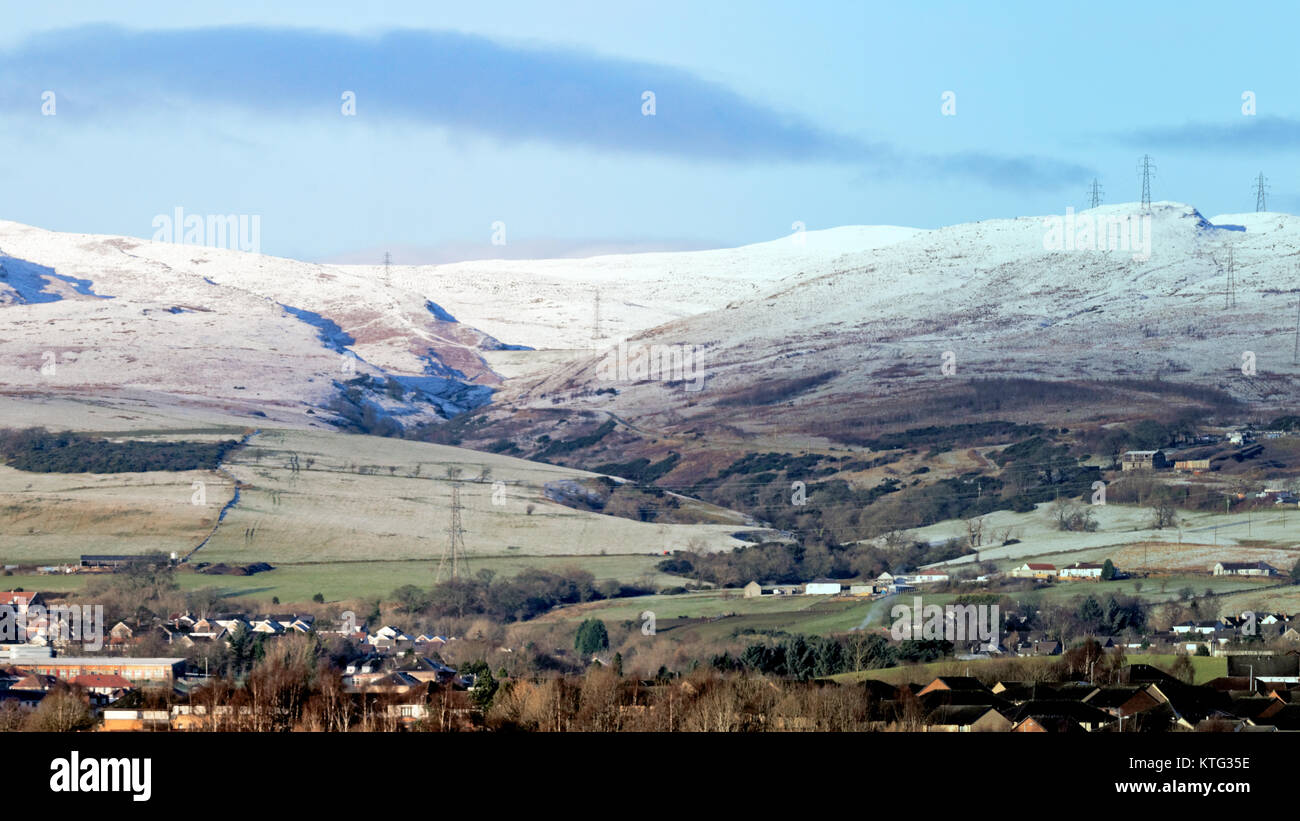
pixel 40 451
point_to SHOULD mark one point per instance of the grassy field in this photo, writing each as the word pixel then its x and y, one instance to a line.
pixel 339 581
pixel 722 614
pixel 310 497
pixel 1200 539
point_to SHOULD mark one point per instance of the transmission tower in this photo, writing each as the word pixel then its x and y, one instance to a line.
pixel 1295 356
pixel 1231 301
pixel 1094 194
pixel 1147 168
pixel 388 260
pixel 595 329
pixel 1261 186
pixel 455 549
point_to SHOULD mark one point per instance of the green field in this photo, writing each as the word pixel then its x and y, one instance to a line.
pixel 340 581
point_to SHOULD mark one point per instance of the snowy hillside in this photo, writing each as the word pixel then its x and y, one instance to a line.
pixel 870 312
pixel 1031 298
pixel 552 303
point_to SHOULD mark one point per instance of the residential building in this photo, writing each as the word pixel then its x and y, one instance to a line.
pixel 1243 569
pixel 1082 570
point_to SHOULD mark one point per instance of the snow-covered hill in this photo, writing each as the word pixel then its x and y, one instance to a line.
pixel 1027 298
pixel 870 311
pixel 551 303
pixel 97 315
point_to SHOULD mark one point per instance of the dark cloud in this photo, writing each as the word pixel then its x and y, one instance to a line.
pixel 462 82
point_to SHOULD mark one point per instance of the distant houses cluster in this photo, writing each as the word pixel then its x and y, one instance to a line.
pixel 1142 699
pixel 389 664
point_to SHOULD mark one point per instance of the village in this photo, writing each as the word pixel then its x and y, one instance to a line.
pixel 393 680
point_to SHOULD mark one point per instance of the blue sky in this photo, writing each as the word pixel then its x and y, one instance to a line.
pixel 531 114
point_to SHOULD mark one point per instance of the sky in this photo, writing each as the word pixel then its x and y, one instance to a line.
pixel 527 124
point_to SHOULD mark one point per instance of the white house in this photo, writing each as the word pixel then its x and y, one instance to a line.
pixel 1243 569
pixel 928 577
pixel 1081 570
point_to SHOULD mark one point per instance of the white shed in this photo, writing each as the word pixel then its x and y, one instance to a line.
pixel 822 588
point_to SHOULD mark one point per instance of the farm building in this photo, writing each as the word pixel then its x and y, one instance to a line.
pixel 928 577
pixel 1243 569
pixel 1143 460
pixel 1192 465
pixel 753 590
pixel 106 562
pixel 1034 570
pixel 822 588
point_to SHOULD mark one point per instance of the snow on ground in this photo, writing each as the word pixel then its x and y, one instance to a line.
pixel 1120 525
pixel 1012 298
pixel 552 303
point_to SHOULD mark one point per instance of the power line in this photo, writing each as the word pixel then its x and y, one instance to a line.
pixel 455 549
pixel 595 330
pixel 1094 193
pixel 1261 186
pixel 1147 168
pixel 1295 356
pixel 1231 301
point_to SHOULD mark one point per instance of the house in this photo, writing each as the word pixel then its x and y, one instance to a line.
pixel 966 718
pixel 954 683
pixel 753 590
pixel 106 685
pixel 1047 724
pixel 20 601
pixel 1122 701
pixel 1034 570
pixel 33 682
pixel 1082 570
pixel 120 633
pixel 1204 628
pixel 1243 569
pixel 426 669
pixel 1143 460
pixel 389 639
pixel 1059 715
pixel 267 626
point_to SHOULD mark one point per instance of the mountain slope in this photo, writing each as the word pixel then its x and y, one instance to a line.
pixel 987 299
